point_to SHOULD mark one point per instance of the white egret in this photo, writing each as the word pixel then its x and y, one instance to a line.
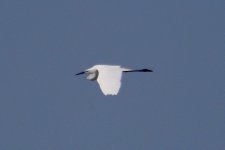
pixel 108 77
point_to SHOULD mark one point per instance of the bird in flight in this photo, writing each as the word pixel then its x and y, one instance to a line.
pixel 108 77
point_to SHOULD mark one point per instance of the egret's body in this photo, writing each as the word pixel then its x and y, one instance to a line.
pixel 108 77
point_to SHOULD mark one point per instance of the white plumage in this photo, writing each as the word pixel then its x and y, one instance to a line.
pixel 108 77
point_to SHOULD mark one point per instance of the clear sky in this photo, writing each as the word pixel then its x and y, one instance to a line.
pixel 181 106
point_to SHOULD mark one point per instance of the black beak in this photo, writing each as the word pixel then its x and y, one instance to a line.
pixel 80 73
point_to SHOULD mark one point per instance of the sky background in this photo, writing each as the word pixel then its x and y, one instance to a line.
pixel 181 106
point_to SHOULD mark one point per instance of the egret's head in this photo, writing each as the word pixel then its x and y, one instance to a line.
pixel 92 74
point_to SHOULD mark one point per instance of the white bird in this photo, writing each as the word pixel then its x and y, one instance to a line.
pixel 108 77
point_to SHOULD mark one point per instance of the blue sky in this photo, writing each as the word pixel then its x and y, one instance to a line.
pixel 179 106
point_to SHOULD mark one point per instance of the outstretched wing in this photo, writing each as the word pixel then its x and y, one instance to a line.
pixel 109 79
